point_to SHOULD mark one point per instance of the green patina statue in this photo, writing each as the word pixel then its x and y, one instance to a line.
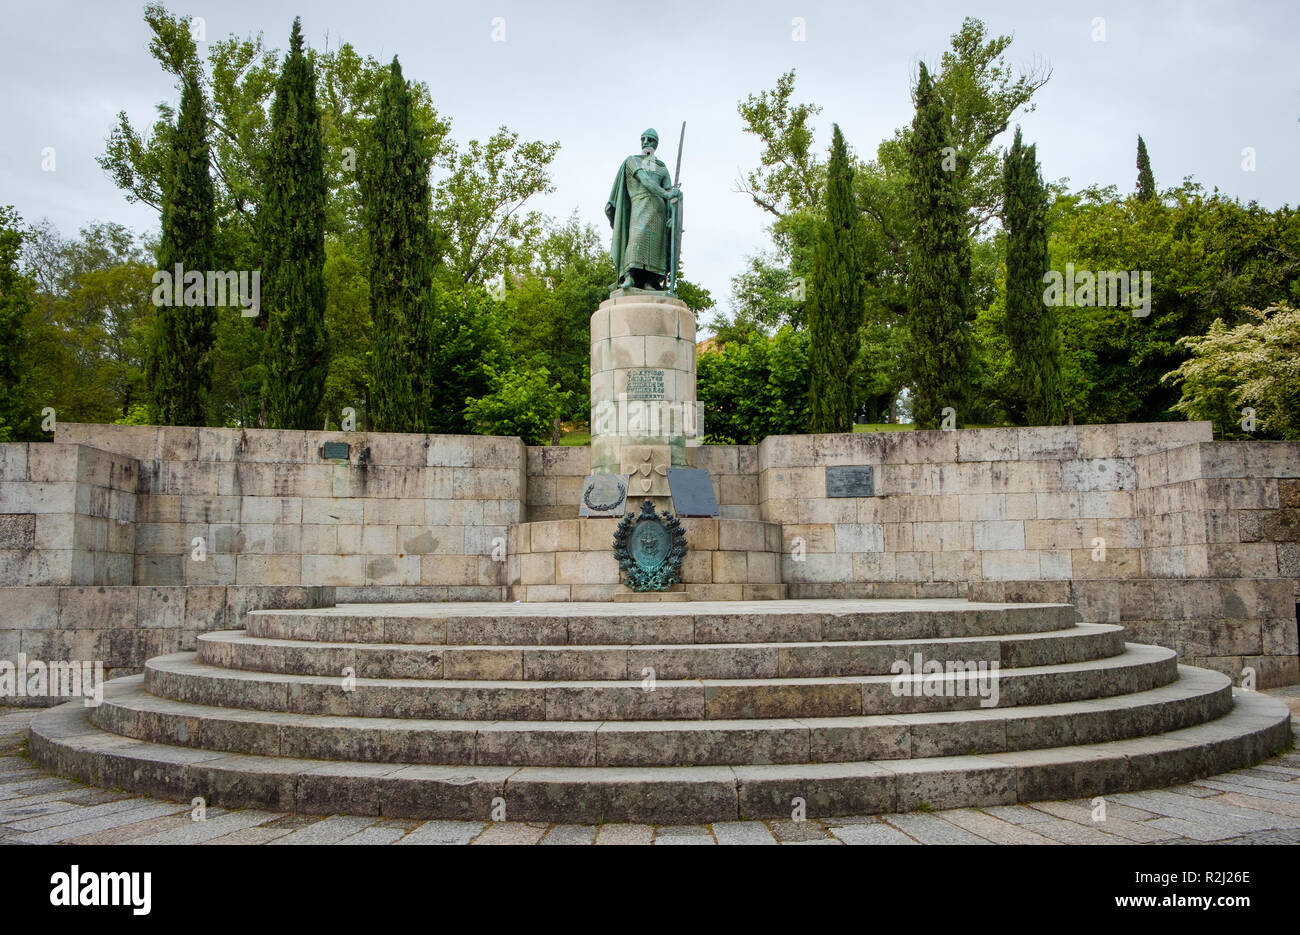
pixel 644 208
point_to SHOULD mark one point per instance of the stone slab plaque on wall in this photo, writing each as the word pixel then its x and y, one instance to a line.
pixel 603 495
pixel 850 481
pixel 692 492
pixel 645 384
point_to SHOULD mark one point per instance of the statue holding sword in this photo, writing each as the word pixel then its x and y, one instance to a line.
pixel 645 211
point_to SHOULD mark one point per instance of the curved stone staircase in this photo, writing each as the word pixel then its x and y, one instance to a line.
pixel 663 713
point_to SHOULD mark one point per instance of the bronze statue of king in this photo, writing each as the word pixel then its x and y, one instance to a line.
pixel 641 210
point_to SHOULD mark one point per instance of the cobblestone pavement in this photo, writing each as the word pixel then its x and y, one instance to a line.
pixel 1250 806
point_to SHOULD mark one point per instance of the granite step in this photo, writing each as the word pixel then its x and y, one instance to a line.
pixel 236 649
pixel 598 623
pixel 183 678
pixel 1197 695
pixel 64 740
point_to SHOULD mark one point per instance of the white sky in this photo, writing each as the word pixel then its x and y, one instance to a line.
pixel 1199 81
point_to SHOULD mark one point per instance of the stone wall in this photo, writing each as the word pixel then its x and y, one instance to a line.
pixel 1189 543
pixel 67 515
pixel 957 507
pixel 1101 517
pixel 415 510
pixel 123 626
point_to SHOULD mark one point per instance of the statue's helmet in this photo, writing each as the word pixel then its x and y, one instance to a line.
pixel 652 134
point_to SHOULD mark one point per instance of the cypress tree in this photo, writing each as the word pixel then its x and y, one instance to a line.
pixel 291 222
pixel 938 343
pixel 1031 324
pixel 835 300
pixel 180 358
pixel 18 418
pixel 395 196
pixel 1146 190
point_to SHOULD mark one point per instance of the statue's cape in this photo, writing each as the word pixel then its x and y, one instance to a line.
pixel 619 211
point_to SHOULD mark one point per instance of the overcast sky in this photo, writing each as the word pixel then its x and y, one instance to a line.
pixel 1199 81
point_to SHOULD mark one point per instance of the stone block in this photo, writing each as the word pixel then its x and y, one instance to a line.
pixel 338 570
pixel 215 569
pixel 586 568
pixel 393 569
pixel 998 535
pixel 1243 560
pixel 597 533
pixel 988 445
pixel 1061 534
pixel 1146 437
pixel 643 319
pixel 255 569
pixel 486 484
pixel 1118 563
pixel 1097 441
pixel 697 567
pixel 24 497
pixel 29 608
pixel 18 531
pixel 280 510
pixel 763 568
pixel 942 537
pixel 859 537
pixel 986 506
pixel 701 533
pixel 558 460
pixel 737 488
pixel 785 451
pixel 449 569
pixel 1057 565
pixel 792 484
pixel 971 478
pixel 275 445
pixel 819 568
pixel 13 461
pixel 628 351
pixel 1098 474
pixel 738 535
pixel 1049 443
pixel 716 459
pixel 730 567
pixel 1009 565
pixel 555 536
pixel 537 568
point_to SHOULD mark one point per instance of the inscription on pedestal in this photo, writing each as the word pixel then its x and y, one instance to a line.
pixel 645 384
pixel 850 481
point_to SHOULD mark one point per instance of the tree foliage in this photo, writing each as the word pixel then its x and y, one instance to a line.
pixel 291 225
pixel 395 196
pixel 180 355
pixel 1146 185
pixel 835 305
pixel 754 387
pixel 938 352
pixel 1031 324
pixel 1255 365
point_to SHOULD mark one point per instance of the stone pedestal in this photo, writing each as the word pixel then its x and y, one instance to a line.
pixel 643 408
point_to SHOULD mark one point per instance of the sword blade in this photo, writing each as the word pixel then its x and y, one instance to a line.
pixel 677 173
